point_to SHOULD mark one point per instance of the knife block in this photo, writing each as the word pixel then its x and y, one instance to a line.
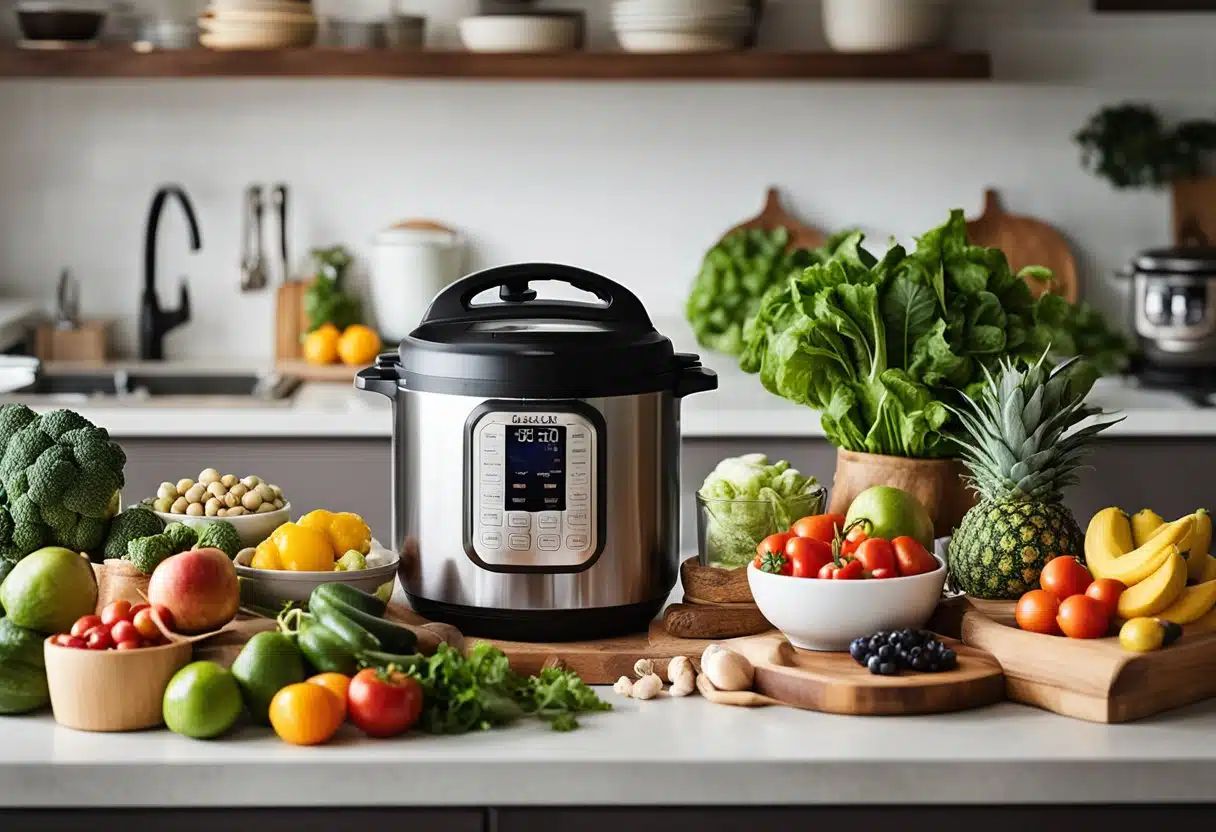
pixel 86 344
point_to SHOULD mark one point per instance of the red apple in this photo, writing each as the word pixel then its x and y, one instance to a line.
pixel 199 588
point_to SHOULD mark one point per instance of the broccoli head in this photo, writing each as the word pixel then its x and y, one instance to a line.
pixel 132 524
pixel 220 535
pixel 181 536
pixel 147 553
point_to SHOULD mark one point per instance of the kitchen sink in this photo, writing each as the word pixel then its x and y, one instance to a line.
pixel 153 388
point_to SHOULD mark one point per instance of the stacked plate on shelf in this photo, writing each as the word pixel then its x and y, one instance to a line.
pixel 683 25
pixel 258 24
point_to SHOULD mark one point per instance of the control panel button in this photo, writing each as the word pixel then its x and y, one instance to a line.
pixel 491 492
pixel 578 448
pixel 579 474
pixel 491 450
pixel 491 518
pixel 549 542
pixel 491 540
pixel 578 495
pixel 577 519
pixel 491 472
pixel 520 542
pixel 577 542
pixel 519 520
pixel 548 520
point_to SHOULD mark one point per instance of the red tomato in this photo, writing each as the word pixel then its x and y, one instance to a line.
pixel 1083 617
pixel 124 631
pixel 828 571
pixel 144 623
pixel 129 644
pixel 166 617
pixel 876 553
pixel 1065 577
pixel 116 611
pixel 84 624
pixel 774 544
pixel 823 527
pixel 1036 612
pixel 383 704
pixel 854 538
pixel 65 640
pixel 807 556
pixel 851 571
pixel 883 574
pixel 135 609
pixel 1106 591
pixel 913 558
pixel 99 638
pixel 775 563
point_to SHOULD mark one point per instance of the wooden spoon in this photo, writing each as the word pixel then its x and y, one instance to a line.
pixel 775 216
pixel 1026 242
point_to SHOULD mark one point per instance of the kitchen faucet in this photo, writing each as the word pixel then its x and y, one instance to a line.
pixel 154 322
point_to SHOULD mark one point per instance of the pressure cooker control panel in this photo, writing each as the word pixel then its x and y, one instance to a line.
pixel 533 501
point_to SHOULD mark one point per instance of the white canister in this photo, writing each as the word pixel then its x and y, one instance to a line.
pixel 884 25
pixel 412 263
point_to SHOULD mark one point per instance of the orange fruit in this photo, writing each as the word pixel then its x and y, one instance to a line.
pixel 305 714
pixel 321 345
pixel 335 683
pixel 358 345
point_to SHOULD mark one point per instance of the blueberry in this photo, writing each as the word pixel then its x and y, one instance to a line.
pixel 858 648
pixel 920 663
pixel 888 669
pixel 915 651
pixel 949 659
pixel 885 652
pixel 873 664
pixel 894 638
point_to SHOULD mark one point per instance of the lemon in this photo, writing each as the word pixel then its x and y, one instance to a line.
pixel 358 345
pixel 321 345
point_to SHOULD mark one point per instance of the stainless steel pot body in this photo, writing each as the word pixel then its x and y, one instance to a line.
pixel 640 556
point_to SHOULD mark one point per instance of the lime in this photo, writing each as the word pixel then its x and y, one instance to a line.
pixel 268 663
pixel 49 589
pixel 202 701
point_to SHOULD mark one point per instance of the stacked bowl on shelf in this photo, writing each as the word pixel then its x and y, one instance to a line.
pixel 683 25
pixel 258 24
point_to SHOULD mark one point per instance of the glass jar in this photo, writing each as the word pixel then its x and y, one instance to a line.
pixel 728 531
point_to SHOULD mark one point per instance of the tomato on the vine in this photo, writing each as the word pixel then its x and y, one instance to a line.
pixel 775 563
pixel 774 544
pixel 807 556
pixel 384 703
pixel 875 554
pixel 852 570
pixel 823 527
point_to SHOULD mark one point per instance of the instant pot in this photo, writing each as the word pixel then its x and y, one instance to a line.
pixel 1174 311
pixel 536 457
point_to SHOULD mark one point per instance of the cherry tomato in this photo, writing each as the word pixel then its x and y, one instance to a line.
pixel 135 609
pixel 84 624
pixel 775 563
pixel 876 553
pixel 1064 577
pixel 99 638
pixel 384 704
pixel 883 574
pixel 807 556
pixel 335 683
pixel 855 537
pixel 1106 591
pixel 65 640
pixel 129 644
pixel 828 571
pixel 819 527
pixel 144 623
pixel 1083 617
pixel 166 617
pixel 304 714
pixel 772 544
pixel 851 571
pixel 124 631
pixel 1036 612
pixel 913 558
pixel 116 611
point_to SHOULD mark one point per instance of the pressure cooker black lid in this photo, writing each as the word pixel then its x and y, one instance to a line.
pixel 521 346
pixel 1178 261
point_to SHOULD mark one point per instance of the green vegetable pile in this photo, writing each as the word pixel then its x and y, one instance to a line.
pixel 60 476
pixel 883 348
pixel 326 300
pixel 746 500
pixel 734 277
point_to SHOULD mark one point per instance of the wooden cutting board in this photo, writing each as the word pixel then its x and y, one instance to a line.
pixel 834 683
pixel 774 216
pixel 1095 680
pixel 1026 242
pixel 330 373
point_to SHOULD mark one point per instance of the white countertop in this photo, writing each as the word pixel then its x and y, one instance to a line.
pixel 663 752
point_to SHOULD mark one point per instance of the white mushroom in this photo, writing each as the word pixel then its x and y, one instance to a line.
pixel 623 686
pixel 648 687
pixel 682 675
pixel 643 667
pixel 726 669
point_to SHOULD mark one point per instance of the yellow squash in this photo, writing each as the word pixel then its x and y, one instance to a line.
pixel 1145 523
pixel 1158 591
pixel 1193 603
pixel 1108 552
pixel 1201 541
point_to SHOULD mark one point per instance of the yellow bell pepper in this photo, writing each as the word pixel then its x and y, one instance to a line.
pixel 345 531
pixel 303 549
pixel 266 556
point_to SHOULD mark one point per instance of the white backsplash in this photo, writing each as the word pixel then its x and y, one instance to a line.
pixel 633 180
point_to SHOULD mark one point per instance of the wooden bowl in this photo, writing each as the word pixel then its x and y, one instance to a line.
pixel 111 690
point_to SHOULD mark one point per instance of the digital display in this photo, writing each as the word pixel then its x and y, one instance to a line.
pixel 536 468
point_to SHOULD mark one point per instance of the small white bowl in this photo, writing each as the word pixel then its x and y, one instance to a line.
pixel 827 615
pixel 657 41
pixel 272 587
pixel 519 33
pixel 253 528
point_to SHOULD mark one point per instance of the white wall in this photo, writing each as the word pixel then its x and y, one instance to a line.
pixel 632 180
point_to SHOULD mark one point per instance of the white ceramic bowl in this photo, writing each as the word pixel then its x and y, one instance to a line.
pixel 253 528
pixel 657 41
pixel 519 33
pixel 884 25
pixel 271 587
pixel 827 615
pixel 680 8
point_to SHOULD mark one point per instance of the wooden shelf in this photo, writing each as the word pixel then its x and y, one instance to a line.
pixel 579 66
pixel 1156 6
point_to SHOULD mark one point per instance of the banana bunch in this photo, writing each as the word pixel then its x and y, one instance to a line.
pixel 1155 560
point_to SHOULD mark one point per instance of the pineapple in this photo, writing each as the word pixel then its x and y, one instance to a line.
pixel 1022 451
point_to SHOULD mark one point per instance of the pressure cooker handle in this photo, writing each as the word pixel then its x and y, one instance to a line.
pixel 381 377
pixel 618 305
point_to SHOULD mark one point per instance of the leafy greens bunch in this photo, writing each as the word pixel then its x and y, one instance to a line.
pixel 884 348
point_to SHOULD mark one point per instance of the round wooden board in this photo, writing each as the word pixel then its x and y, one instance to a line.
pixel 1026 242
pixel 774 216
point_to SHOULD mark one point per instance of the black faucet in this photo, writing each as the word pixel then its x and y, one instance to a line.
pixel 154 322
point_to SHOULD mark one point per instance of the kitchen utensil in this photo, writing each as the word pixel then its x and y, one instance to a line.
pixel 834 683
pixel 774 215
pixel 1174 308
pixel 253 262
pixel 719 586
pixel 67 302
pixel 884 25
pixel 1026 242
pixel 278 199
pixel 88 342
pixel 111 690
pixel 354 34
pixel 828 615
pixel 1194 203
pixel 698 620
pixel 520 33
pixel 557 424
pixel 1094 679
pixel 412 262
pixel 272 588
pixel 59 25
pixel 252 528
pixel 937 484
pixel 724 527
